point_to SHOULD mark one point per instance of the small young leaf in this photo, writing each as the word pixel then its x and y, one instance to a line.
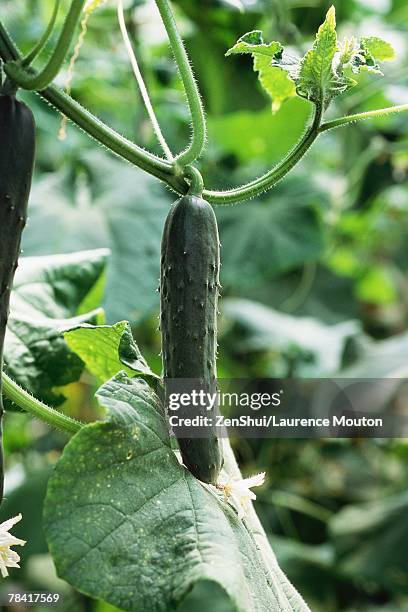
pixel 379 49
pixel 347 50
pixel 108 349
pixel 371 51
pixel 274 80
pixel 252 42
pixel 318 81
pixel 320 75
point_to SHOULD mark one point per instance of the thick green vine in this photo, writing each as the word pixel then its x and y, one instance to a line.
pixel 30 404
pixel 43 78
pixel 196 146
pixel 95 128
pixel 268 180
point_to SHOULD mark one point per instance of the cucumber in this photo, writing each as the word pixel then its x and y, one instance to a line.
pixel 17 149
pixel 189 288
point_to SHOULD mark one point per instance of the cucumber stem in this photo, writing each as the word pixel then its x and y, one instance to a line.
pixel 196 183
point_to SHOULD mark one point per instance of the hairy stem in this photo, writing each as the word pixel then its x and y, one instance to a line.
pixel 109 138
pixel 268 180
pixel 30 57
pixel 195 180
pixel 196 145
pixel 30 404
pixel 43 78
pixel 95 128
pixel 142 87
pixel 380 112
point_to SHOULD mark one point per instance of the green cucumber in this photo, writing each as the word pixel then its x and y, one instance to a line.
pixel 189 288
pixel 17 147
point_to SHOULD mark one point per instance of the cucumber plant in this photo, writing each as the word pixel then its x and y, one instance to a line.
pixel 135 427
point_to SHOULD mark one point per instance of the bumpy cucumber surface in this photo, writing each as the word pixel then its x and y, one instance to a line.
pixel 17 146
pixel 189 287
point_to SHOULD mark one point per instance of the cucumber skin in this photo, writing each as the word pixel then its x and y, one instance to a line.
pixel 17 151
pixel 189 289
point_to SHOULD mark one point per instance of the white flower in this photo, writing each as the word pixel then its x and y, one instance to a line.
pixel 239 492
pixel 8 557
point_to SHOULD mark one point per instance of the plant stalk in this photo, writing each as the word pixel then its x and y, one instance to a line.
pixel 95 128
pixel 30 404
pixel 196 181
pixel 269 180
pixel 142 86
pixel 380 112
pixel 30 57
pixel 197 143
pixel 43 78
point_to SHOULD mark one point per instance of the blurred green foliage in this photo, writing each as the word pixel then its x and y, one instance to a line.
pixel 322 257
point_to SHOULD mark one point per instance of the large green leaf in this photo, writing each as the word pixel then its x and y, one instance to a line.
pixel 270 236
pixel 48 295
pixel 107 204
pixel 126 523
pixel 108 349
pixel 259 135
pixel 372 540
pixel 310 347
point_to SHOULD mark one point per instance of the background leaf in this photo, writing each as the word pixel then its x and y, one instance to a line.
pixel 262 136
pixel 47 295
pixel 123 209
pixel 275 235
pixel 383 526
pixel 310 347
